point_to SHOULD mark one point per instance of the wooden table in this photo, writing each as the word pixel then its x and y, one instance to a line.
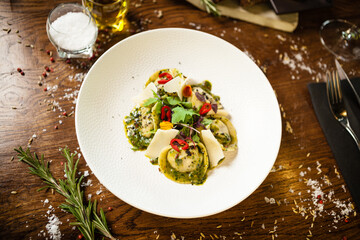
pixel 281 208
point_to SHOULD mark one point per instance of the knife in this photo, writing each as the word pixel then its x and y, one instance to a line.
pixel 343 75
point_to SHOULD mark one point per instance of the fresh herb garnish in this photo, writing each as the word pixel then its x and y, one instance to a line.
pixel 182 115
pixel 206 121
pixel 196 138
pixel 174 101
pixel 152 100
pixel 158 107
pixel 210 7
pixel 87 218
pixel 149 102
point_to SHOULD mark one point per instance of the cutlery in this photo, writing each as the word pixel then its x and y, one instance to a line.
pixel 336 103
pixel 343 75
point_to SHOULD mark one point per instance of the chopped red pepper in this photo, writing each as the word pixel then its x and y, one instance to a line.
pixel 163 81
pixel 167 76
pixel 206 107
pixel 166 111
pixel 175 142
pixel 187 91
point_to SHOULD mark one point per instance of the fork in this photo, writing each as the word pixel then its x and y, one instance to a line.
pixel 336 103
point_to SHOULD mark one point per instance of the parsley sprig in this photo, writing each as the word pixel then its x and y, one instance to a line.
pixel 87 218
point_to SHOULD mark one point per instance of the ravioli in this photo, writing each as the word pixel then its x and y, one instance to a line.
pixel 182 126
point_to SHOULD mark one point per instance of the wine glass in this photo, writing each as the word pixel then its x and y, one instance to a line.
pixel 341 38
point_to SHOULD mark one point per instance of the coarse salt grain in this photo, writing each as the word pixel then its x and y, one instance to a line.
pixel 52 227
pixel 73 31
pixel 88 183
pixel 46 201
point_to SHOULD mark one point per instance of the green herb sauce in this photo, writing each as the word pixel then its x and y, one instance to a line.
pixel 134 126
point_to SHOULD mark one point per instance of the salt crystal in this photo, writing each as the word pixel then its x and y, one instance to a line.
pixel 73 31
pixel 86 173
pixel 298 57
pixel 53 227
pixel 46 201
pixel 88 183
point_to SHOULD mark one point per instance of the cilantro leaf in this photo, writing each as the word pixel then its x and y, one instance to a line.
pixel 206 121
pixel 149 101
pixel 155 94
pixel 158 107
pixel 196 138
pixel 181 114
pixel 187 104
pixel 173 101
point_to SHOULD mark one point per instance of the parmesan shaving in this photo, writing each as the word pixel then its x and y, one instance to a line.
pixel 160 140
pixel 213 147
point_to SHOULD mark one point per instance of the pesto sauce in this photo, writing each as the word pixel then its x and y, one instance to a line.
pixel 196 177
pixel 133 130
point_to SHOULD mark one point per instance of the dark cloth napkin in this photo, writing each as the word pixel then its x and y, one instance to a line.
pixel 346 153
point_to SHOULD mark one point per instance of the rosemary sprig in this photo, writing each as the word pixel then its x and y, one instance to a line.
pixel 87 218
pixel 210 7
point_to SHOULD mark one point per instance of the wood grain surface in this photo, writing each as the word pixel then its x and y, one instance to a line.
pixel 281 208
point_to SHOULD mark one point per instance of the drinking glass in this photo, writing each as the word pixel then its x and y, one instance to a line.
pixel 341 38
pixel 108 13
pixel 72 30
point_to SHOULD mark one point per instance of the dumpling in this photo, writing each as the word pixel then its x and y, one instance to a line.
pixel 224 132
pixel 186 166
pixel 141 125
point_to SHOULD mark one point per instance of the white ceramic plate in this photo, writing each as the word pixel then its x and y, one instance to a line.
pixel 105 99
